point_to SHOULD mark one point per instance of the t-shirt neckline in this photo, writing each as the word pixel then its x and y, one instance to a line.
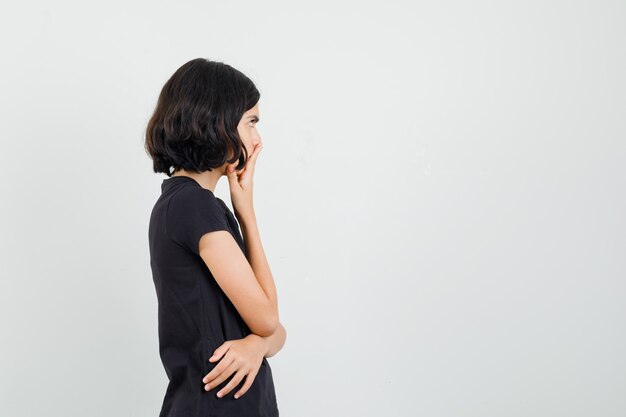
pixel 193 181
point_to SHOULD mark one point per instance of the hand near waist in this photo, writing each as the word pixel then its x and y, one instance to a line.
pixel 243 357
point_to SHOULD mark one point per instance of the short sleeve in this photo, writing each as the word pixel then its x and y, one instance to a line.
pixel 192 212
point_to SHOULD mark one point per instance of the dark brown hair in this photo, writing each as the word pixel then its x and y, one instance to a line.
pixel 194 125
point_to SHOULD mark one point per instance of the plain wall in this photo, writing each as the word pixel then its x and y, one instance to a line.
pixel 440 198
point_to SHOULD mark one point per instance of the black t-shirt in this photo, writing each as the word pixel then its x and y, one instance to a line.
pixel 194 315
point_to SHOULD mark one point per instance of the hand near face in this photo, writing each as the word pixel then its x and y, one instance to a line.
pixel 240 183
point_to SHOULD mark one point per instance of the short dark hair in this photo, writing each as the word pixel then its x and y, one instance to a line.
pixel 194 124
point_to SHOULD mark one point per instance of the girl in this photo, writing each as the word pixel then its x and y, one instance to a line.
pixel 218 318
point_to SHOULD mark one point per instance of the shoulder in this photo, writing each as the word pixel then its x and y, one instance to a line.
pixel 190 195
pixel 192 201
pixel 192 212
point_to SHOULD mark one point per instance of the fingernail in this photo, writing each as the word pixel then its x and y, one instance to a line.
pixel 219 394
pixel 236 396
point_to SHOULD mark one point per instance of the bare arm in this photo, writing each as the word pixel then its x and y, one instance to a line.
pixel 234 275
pixel 258 261
pixel 256 257
pixel 240 184
pixel 274 343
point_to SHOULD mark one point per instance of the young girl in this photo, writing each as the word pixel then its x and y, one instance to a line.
pixel 217 304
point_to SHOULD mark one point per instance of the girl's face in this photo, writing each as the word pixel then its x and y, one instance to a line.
pixel 247 129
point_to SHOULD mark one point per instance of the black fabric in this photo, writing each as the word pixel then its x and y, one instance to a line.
pixel 194 315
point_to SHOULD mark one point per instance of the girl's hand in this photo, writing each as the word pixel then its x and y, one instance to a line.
pixel 243 356
pixel 240 183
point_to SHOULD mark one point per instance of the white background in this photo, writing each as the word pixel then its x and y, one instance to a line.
pixel 440 197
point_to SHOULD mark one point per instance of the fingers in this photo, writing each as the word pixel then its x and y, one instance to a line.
pixel 239 357
pixel 256 152
pixel 221 372
pixel 246 385
pixel 234 367
pixel 252 160
pixel 232 383
pixel 232 175
pixel 248 170
pixel 219 352
pixel 239 179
